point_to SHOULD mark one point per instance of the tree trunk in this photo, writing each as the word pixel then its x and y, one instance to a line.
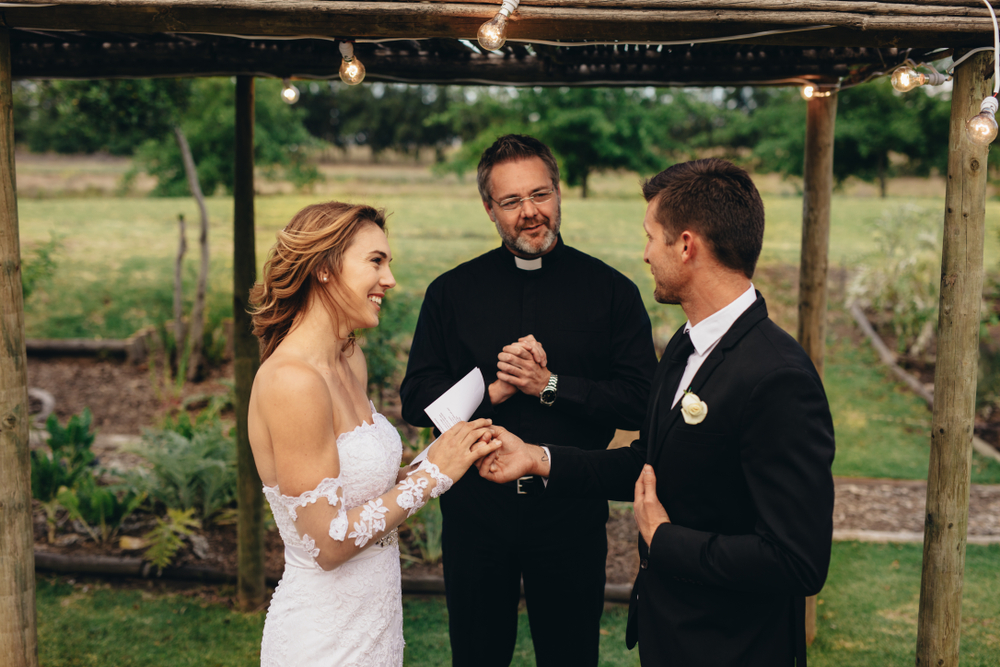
pixel 881 176
pixel 198 310
pixel 583 185
pixel 821 117
pixel 18 637
pixel 939 623
pixel 179 296
pixel 250 520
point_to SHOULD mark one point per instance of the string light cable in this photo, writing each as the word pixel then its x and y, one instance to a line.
pixel 982 128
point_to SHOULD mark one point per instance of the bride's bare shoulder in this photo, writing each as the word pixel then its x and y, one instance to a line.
pixel 288 381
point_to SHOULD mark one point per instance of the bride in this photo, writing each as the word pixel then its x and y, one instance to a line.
pixel 328 461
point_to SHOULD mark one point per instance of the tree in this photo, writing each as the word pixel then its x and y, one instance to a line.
pixel 114 115
pixel 874 123
pixel 400 117
pixel 591 129
pixel 281 142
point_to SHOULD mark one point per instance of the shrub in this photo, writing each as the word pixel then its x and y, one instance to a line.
pixel 64 465
pixel 101 509
pixel 900 278
pixel 195 471
pixel 387 344
pixel 167 536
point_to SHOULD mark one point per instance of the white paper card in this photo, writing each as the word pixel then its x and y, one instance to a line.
pixel 455 405
pixel 458 403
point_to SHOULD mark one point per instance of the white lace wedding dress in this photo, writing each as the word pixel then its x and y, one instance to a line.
pixel 350 616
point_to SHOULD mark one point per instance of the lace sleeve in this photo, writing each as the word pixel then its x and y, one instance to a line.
pixel 321 528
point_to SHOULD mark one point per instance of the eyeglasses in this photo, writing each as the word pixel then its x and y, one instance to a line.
pixel 514 203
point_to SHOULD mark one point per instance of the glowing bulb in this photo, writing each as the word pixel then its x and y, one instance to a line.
pixel 352 72
pixel 982 128
pixel 905 79
pixel 493 34
pixel 289 93
pixel 808 91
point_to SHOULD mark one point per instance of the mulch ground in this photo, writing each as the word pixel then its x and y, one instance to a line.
pixel 125 398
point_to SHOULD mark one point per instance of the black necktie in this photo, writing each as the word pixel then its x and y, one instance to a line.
pixel 668 387
pixel 678 362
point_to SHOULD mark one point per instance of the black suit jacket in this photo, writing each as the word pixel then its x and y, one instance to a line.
pixel 749 493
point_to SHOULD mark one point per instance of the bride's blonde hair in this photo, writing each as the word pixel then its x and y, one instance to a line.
pixel 315 239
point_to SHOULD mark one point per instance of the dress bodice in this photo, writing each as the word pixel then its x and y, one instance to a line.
pixel 369 463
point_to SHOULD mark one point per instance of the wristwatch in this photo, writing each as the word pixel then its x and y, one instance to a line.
pixel 548 395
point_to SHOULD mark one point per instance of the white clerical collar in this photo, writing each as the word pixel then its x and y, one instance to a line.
pixel 528 264
pixel 707 333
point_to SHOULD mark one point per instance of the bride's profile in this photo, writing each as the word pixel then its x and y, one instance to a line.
pixel 328 461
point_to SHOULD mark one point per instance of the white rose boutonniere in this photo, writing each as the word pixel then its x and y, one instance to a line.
pixel 693 409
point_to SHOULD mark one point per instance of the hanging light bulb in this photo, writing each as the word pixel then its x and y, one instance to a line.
pixel 808 91
pixel 289 93
pixel 982 128
pixel 493 34
pixel 905 78
pixel 352 72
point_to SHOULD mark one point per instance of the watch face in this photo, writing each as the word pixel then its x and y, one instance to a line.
pixel 548 395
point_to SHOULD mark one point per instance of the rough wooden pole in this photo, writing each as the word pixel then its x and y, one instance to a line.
pixel 814 263
pixel 250 524
pixel 18 637
pixel 947 515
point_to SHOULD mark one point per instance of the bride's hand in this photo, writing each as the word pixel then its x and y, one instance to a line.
pixel 461 446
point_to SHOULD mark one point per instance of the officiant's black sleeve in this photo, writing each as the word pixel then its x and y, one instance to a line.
pixel 786 450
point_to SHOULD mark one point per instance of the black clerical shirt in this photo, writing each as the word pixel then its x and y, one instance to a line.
pixel 589 318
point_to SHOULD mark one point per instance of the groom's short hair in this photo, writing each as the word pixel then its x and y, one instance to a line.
pixel 718 201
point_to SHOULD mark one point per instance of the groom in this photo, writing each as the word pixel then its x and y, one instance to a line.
pixel 730 475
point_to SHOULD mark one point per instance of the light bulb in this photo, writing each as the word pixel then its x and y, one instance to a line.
pixel 352 72
pixel 905 79
pixel 493 34
pixel 289 93
pixel 808 91
pixel 982 128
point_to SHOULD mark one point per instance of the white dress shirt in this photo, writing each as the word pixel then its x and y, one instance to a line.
pixel 706 335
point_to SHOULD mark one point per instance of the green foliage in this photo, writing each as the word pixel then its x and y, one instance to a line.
pixel 400 117
pixel 426 526
pixel 37 265
pixel 901 275
pixel 281 143
pixel 196 472
pixel 387 345
pixel 112 115
pixel 101 509
pixel 589 129
pixel 66 462
pixel 69 457
pixel 167 536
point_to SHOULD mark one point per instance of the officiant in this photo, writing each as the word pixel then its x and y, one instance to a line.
pixel 565 346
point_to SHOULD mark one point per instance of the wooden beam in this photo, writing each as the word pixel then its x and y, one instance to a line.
pixel 939 623
pixel 821 116
pixel 412 20
pixel 18 635
pixel 250 521
pixel 817 184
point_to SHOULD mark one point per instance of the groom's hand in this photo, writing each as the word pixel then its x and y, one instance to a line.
pixel 513 460
pixel 649 513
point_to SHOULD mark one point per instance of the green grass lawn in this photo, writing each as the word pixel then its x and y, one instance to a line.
pixel 867 617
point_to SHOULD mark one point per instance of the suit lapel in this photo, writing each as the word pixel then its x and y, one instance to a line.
pixel 669 415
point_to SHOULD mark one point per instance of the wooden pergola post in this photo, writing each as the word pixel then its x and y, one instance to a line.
pixel 814 263
pixel 18 635
pixel 250 523
pixel 947 514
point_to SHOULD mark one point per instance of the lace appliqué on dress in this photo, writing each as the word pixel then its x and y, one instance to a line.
pixel 441 481
pixel 411 493
pixel 371 521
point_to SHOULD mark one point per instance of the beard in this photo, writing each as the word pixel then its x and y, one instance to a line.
pixel 526 246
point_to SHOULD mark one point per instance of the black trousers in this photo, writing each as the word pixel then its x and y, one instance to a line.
pixel 492 538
